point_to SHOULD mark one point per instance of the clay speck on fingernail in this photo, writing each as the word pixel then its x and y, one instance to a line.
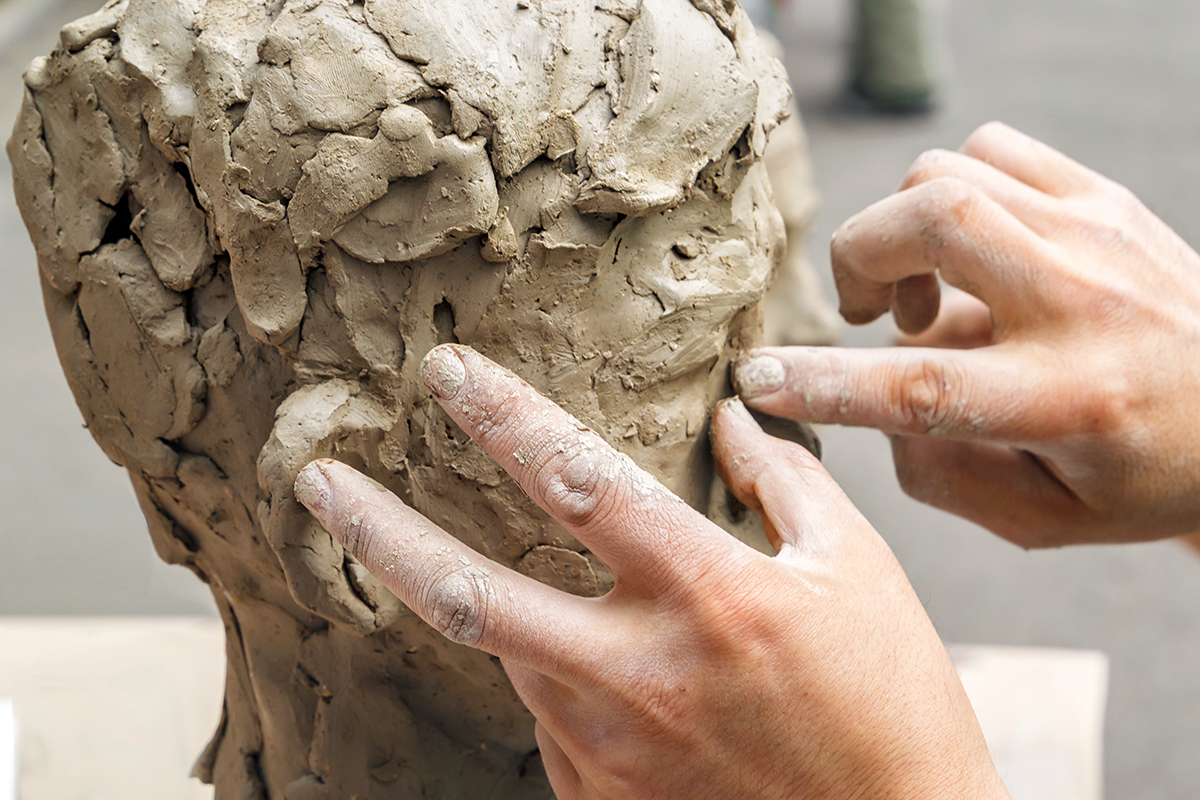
pixel 443 372
pixel 754 376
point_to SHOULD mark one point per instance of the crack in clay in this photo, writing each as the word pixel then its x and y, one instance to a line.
pixel 356 585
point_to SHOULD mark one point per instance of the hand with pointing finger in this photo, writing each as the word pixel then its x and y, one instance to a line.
pixel 710 670
pixel 1076 417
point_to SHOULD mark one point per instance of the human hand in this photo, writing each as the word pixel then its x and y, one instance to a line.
pixel 710 670
pixel 1077 420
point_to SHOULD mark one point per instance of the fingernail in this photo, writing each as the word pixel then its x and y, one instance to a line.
pixel 736 407
pixel 443 372
pixel 313 489
pixel 756 375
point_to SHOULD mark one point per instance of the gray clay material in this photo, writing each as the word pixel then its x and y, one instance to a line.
pixel 254 218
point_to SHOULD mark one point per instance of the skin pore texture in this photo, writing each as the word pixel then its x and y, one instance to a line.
pixel 253 220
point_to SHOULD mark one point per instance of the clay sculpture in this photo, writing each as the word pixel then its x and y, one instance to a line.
pixel 252 220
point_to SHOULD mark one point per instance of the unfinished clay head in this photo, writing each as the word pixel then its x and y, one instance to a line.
pixel 253 218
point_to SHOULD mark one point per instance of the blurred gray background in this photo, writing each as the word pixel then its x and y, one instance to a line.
pixel 1114 83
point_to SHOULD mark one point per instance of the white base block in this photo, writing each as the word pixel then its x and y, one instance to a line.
pixel 119 709
pixel 8 750
pixel 112 709
pixel 1042 713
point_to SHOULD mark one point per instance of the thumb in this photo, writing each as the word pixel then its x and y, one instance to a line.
pixel 801 505
pixel 970 394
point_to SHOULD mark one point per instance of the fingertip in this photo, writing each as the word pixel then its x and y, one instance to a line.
pixel 444 371
pixel 758 373
pixel 861 301
pixel 751 460
pixel 342 499
pixel 733 430
pixel 821 384
pixel 313 488
pixel 784 483
pixel 858 315
pixel 733 412
pixel 770 379
pixel 916 303
pixel 324 485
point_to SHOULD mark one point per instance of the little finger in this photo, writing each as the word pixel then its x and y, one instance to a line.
pixel 1005 490
pixel 1028 160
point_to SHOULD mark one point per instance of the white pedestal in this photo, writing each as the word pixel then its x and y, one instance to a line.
pixel 112 709
pixel 119 709
pixel 1042 713
pixel 8 750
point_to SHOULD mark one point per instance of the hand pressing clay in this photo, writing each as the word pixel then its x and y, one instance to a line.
pixel 253 219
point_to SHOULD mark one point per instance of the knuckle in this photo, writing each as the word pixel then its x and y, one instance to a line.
pixel 926 395
pixel 1117 194
pixel 929 166
pixel 946 205
pixel 1102 228
pixel 583 482
pixel 842 247
pixel 800 461
pixel 458 603
pixel 1105 405
pixel 620 771
pixel 950 200
pixel 986 138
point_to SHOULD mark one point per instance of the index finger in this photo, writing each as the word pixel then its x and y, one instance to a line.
pixel 991 393
pixel 619 511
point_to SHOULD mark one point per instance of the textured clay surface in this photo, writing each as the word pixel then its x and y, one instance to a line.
pixel 254 218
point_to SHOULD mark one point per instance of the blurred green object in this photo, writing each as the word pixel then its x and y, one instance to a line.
pixel 894 61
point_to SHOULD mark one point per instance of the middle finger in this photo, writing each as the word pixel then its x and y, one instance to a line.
pixel 627 518
pixel 946 226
